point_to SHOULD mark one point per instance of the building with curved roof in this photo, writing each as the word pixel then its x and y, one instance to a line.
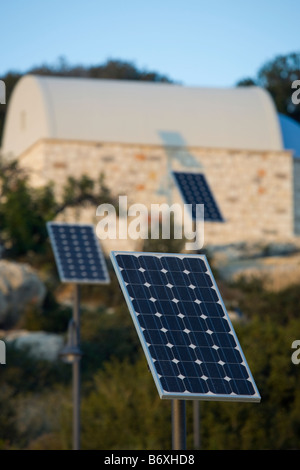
pixel 134 133
pixel 129 112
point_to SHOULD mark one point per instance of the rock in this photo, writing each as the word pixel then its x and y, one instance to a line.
pixel 281 249
pixel 276 265
pixel 20 287
pixel 251 251
pixel 39 344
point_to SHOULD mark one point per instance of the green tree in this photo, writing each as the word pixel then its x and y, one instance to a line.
pixel 277 76
pixel 275 422
pixel 124 410
pixel 161 244
pixel 24 211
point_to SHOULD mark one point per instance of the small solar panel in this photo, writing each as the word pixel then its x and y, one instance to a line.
pixel 195 189
pixel 77 253
pixel 184 328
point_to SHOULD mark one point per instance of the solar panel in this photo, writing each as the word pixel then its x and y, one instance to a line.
pixel 184 328
pixel 77 253
pixel 195 189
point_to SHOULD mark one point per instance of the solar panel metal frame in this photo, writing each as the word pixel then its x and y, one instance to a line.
pixel 63 278
pixel 173 173
pixel 183 396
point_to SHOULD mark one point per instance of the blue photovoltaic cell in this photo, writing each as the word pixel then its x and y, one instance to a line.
pixel 184 328
pixel 77 253
pixel 194 189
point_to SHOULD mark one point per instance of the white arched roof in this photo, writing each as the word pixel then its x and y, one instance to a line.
pixel 137 112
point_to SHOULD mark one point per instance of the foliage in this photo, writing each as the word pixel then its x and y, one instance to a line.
pixel 105 336
pixel 84 190
pixel 23 373
pixel 120 405
pixel 164 245
pixel 8 428
pixel 274 423
pixel 271 325
pixel 124 411
pixel 277 76
pixel 112 68
pixel 256 301
pixel 24 211
pixel 50 316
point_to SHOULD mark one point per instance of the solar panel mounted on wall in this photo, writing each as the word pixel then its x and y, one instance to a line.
pixel 195 189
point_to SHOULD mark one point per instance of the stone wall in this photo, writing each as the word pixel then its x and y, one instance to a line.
pixel 254 190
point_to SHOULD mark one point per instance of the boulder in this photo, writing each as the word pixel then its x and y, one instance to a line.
pixel 275 265
pixel 39 344
pixel 20 287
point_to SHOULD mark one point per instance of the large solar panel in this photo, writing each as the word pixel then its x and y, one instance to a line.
pixel 195 189
pixel 77 253
pixel 184 328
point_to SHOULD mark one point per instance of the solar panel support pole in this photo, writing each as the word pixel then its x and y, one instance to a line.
pixel 178 425
pixel 76 371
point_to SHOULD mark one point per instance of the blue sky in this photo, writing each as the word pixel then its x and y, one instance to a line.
pixel 193 42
